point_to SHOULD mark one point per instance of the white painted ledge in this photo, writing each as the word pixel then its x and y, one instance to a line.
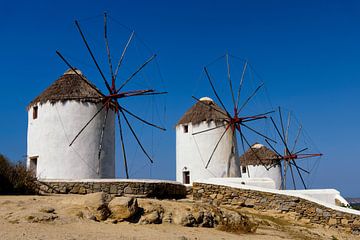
pixel 110 180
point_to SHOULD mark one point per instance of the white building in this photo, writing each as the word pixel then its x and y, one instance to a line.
pixel 261 162
pixel 193 150
pixel 55 117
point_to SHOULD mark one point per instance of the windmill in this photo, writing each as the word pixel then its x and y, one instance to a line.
pixel 115 93
pixel 296 146
pixel 239 119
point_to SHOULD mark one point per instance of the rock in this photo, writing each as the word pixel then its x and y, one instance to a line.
pixel 123 207
pixel 151 218
pixel 250 203
pixel 326 214
pixel 184 218
pixel 344 221
pixel 213 196
pixel 75 189
pixel 332 221
pixel 284 208
pixel 41 217
pixel 128 190
pixel 207 221
pixel 153 213
pixel 167 218
pixel 319 211
pixel 219 196
pixel 47 210
pixel 236 222
pixel 96 205
pixel 356 222
pixel 82 190
pixel 113 189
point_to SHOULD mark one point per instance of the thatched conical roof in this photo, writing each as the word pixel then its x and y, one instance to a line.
pixel 258 155
pixel 70 86
pixel 203 111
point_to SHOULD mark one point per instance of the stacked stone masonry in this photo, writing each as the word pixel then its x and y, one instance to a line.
pixel 303 209
pixel 149 189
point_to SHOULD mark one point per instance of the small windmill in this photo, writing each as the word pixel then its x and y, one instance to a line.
pixel 238 120
pixel 293 150
pixel 111 100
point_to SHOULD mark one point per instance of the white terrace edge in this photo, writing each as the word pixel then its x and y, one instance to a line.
pixel 293 193
pixel 109 180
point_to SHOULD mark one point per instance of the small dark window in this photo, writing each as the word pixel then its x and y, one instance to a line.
pixel 186 177
pixel 186 128
pixel 243 169
pixel 33 165
pixel 35 112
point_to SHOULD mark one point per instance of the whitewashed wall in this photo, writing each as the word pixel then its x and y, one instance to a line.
pixel 193 152
pixel 260 171
pixel 50 134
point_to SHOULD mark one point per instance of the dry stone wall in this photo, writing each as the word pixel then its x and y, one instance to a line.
pixel 156 189
pixel 303 209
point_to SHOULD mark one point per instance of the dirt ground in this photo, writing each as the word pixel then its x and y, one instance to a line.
pixel 23 217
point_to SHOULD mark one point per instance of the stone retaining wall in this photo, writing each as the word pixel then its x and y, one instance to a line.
pixel 148 188
pixel 301 208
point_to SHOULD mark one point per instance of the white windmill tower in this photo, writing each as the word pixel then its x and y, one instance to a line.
pixel 261 162
pixel 54 119
pixel 194 149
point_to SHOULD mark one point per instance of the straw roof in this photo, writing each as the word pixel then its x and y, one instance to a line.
pixel 204 110
pixel 258 155
pixel 70 86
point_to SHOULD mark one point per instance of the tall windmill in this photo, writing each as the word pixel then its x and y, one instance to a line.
pixel 237 115
pixel 116 92
pixel 296 146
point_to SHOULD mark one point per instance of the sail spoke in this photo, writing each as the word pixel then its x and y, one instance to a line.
pixel 87 124
pixel 76 72
pixel 204 103
pixel 108 49
pixel 301 177
pixel 210 129
pixel 240 86
pixel 250 97
pixel 142 120
pixel 216 146
pixel 101 141
pixel 122 145
pixel 136 72
pixel 214 90
pixel 135 136
pixel 92 55
pixel 292 176
pixel 229 79
pixel 258 133
pixel 123 54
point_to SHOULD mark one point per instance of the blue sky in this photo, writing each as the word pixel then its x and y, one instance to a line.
pixel 306 51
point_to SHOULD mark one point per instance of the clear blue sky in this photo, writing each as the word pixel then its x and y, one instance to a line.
pixel 306 51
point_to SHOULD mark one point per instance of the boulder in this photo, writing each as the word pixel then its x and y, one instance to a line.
pixel 151 218
pixel 47 210
pixel 235 222
pixel 96 205
pixel 153 214
pixel 184 217
pixel 123 207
